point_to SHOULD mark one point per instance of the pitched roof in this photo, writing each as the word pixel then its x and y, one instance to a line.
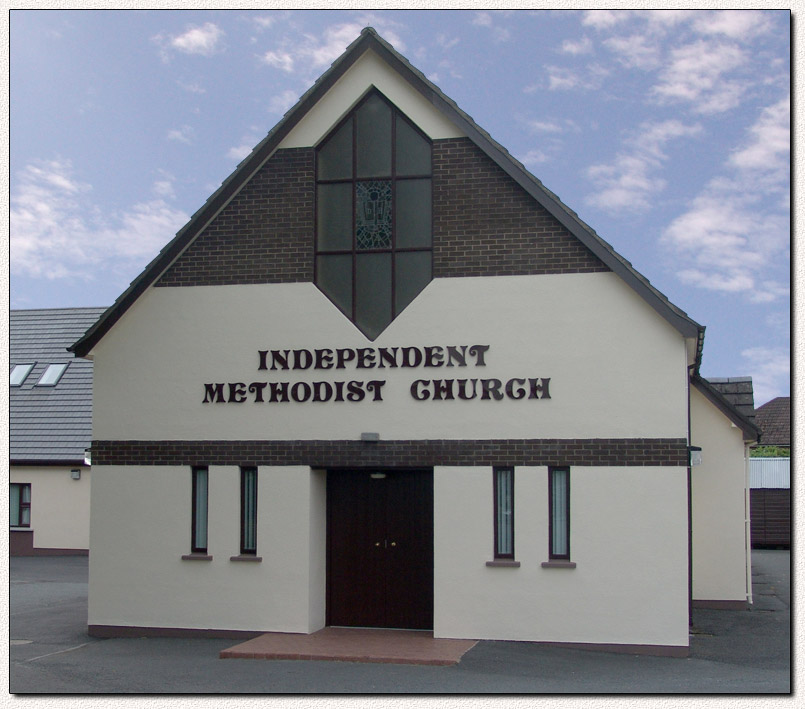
pixel 50 424
pixel 370 40
pixel 774 419
pixel 734 398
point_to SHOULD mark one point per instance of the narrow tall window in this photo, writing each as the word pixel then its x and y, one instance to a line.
pixel 373 214
pixel 200 495
pixel 20 505
pixel 248 510
pixel 504 513
pixel 559 512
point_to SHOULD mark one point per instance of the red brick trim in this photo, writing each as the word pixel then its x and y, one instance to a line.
pixel 722 605
pixel 135 631
pixel 21 543
pixel 626 649
pixel 406 453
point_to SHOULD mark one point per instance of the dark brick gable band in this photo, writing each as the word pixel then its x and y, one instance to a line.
pixel 485 224
pixel 264 235
pixel 414 453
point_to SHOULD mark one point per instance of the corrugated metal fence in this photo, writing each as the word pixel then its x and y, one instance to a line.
pixel 770 473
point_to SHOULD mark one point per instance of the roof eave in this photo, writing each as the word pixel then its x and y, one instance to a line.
pixel 751 432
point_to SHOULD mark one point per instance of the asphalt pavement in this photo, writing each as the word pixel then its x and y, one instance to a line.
pixel 736 652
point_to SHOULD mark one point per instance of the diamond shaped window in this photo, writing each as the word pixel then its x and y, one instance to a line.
pixel 374 241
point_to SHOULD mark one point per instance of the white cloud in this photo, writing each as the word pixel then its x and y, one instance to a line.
pixel 58 232
pixel 604 19
pixel 184 134
pixel 545 126
pixel 192 88
pixel 696 74
pixel 636 51
pixel 735 235
pixel 771 370
pixel 239 152
pixel 445 43
pixel 769 146
pixel 282 102
pixel 280 59
pixel 564 79
pixel 534 157
pixel 164 188
pixel 630 181
pixel 736 24
pixel 484 19
pixel 582 46
pixel 263 21
pixel 202 40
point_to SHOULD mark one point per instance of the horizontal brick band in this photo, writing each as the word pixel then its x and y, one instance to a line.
pixel 418 453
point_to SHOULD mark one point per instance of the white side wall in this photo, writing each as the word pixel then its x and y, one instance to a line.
pixel 59 505
pixel 617 370
pixel 628 538
pixel 718 484
pixel 141 530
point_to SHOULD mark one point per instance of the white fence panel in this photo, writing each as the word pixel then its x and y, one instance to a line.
pixel 770 472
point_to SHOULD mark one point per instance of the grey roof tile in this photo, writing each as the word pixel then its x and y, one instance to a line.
pixel 50 423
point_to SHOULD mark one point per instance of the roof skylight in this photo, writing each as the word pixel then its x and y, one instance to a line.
pixel 19 372
pixel 52 375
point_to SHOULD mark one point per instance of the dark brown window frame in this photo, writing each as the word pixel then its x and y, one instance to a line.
pixel 23 506
pixel 244 470
pixel 551 554
pixel 195 512
pixel 495 472
pixel 393 250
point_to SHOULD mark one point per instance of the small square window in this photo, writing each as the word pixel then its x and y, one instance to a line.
pixel 52 375
pixel 19 372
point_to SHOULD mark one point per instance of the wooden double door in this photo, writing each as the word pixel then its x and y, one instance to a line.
pixel 380 548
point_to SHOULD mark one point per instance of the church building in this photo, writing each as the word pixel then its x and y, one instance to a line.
pixel 385 378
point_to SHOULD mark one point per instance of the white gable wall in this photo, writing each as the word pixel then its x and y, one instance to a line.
pixel 718 505
pixel 368 71
pixel 617 369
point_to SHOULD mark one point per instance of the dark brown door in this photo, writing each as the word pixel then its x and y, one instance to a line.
pixel 380 548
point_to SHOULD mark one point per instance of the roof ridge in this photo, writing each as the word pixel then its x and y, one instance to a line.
pixel 370 39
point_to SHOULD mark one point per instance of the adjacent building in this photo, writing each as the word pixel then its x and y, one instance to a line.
pixel 50 430
pixel 385 378
pixel 770 481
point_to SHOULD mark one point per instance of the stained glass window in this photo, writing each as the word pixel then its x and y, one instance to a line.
pixel 373 214
pixel 374 237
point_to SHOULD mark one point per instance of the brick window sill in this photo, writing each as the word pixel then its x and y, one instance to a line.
pixel 21 529
pixel 558 564
pixel 196 557
pixel 246 557
pixel 503 563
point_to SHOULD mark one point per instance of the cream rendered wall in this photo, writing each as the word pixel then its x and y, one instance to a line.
pixel 617 369
pixel 59 505
pixel 368 71
pixel 141 528
pixel 718 489
pixel 628 538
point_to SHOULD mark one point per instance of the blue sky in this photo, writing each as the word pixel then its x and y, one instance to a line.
pixel 666 131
